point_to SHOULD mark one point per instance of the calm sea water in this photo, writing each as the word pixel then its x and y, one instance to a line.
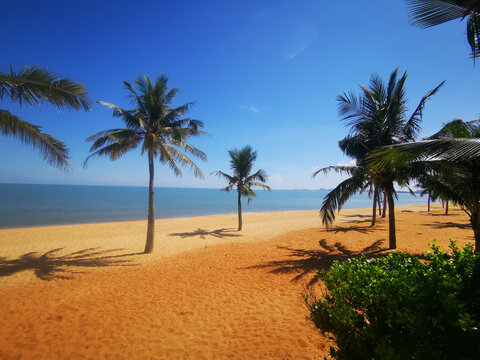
pixel 35 205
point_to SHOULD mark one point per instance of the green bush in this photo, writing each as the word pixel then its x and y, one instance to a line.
pixel 402 307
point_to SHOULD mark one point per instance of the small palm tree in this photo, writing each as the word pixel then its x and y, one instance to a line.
pixel 163 132
pixel 32 86
pixel 427 13
pixel 241 162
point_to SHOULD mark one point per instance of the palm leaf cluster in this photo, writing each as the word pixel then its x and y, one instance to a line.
pixel 427 13
pixel 32 86
pixel 162 131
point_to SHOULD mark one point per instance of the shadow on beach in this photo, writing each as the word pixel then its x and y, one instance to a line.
pixel 52 265
pixel 303 262
pixel 218 233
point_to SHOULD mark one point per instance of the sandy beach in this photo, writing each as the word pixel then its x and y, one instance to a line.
pixel 207 292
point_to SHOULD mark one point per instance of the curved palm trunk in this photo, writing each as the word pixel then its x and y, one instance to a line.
pixel 391 217
pixel 239 211
pixel 428 206
pixel 374 210
pixel 151 207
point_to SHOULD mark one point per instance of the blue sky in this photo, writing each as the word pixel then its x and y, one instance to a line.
pixel 263 73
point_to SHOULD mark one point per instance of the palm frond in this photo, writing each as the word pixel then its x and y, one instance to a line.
pixel 183 159
pixel 339 169
pixel 427 13
pixel 412 127
pixel 33 85
pixel 53 151
pixel 335 199
pixel 446 149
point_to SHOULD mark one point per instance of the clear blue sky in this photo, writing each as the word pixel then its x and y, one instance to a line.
pixel 264 73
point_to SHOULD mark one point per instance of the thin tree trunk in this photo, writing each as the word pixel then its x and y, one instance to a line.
pixel 384 205
pixel 391 218
pixel 428 206
pixel 374 210
pixel 239 211
pixel 151 207
pixel 446 207
pixel 379 203
pixel 475 221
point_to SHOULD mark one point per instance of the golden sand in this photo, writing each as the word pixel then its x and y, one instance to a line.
pixel 208 291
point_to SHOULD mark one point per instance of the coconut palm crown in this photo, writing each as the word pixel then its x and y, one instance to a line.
pixel 427 13
pixel 241 162
pixel 32 86
pixel 161 131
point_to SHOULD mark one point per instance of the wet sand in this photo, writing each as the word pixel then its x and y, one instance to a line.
pixel 208 292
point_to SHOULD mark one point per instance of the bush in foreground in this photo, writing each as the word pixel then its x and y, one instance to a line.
pixel 400 307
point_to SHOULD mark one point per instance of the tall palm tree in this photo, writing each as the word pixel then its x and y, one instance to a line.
pixel 162 131
pixel 427 13
pixel 454 161
pixel 241 162
pixel 33 85
pixel 377 117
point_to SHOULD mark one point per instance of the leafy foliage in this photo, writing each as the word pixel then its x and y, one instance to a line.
pixel 32 86
pixel 427 13
pixel 399 307
pixel 241 162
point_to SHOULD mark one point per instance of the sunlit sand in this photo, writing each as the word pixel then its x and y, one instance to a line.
pixel 207 292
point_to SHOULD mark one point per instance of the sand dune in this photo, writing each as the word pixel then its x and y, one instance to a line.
pixel 208 292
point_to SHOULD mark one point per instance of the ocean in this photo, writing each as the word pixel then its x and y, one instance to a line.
pixel 23 205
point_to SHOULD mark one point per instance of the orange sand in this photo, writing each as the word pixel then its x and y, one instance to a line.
pixel 207 292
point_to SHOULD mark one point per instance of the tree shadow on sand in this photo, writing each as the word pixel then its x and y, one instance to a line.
pixel 450 224
pixel 218 233
pixel 362 227
pixel 52 265
pixel 304 262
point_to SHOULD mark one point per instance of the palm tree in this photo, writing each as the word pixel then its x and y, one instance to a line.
pixel 454 161
pixel 163 132
pixel 427 13
pixel 241 162
pixel 377 117
pixel 33 85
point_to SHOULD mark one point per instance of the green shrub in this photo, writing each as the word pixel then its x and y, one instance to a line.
pixel 400 307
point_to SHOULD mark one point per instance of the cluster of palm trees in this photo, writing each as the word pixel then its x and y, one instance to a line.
pixel 383 141
pixel 162 131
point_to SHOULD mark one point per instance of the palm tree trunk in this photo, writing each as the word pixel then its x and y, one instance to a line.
pixel 151 207
pixel 379 203
pixel 475 221
pixel 374 210
pixel 384 205
pixel 428 206
pixel 239 211
pixel 391 217
pixel 446 207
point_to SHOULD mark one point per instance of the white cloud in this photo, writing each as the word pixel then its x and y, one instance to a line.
pixel 350 163
pixel 253 108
